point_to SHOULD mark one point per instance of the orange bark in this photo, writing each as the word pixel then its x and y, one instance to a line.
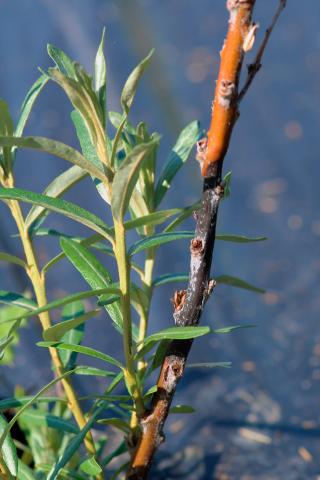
pixel 225 110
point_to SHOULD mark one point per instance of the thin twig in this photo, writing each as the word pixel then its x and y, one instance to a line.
pixel 255 66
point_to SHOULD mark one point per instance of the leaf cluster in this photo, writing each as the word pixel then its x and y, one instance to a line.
pixel 120 158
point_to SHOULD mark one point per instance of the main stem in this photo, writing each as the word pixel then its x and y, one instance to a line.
pixel 38 283
pixel 188 310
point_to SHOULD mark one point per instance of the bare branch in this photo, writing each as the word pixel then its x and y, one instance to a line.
pixel 189 305
pixel 255 66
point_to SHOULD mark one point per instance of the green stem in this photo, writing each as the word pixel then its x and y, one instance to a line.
pixel 124 283
pixel 147 284
pixel 38 283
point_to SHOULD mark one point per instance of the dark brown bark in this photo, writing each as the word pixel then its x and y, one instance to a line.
pixel 199 289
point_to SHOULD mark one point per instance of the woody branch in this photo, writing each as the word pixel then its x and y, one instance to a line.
pixel 189 304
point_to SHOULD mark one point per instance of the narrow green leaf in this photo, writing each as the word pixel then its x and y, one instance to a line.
pixel 111 290
pixel 91 352
pixel 53 147
pixel 6 129
pixel 95 274
pixel 11 298
pixel 182 409
pixel 82 96
pixel 91 466
pixel 122 448
pixel 130 87
pixel 63 62
pixel 8 449
pixel 38 418
pixel 115 382
pixel 126 178
pixel 73 446
pixel 58 205
pixel 61 184
pixel 155 218
pixel 186 213
pixel 158 239
pixel 87 147
pixel 116 140
pixel 238 282
pixel 117 423
pixel 97 372
pixel 74 336
pixel 92 241
pixel 151 391
pixel 231 329
pixel 28 404
pixel 210 365
pixel 4 343
pixel 28 103
pixel 56 332
pixel 6 124
pixel 7 257
pixel 227 185
pixel 178 156
pixel 240 238
pixel 64 473
pixel 14 402
pixel 170 278
pixel 159 355
pixel 172 333
pixel 24 472
pixel 100 77
pixel 89 151
pixel 177 333
pixel 116 120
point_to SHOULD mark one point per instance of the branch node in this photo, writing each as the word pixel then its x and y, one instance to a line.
pixel 172 374
pixel 211 285
pixel 226 93
pixel 179 299
pixel 196 247
pixel 250 37
pixel 219 190
pixel 201 150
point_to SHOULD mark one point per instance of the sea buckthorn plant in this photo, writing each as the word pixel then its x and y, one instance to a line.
pixel 63 437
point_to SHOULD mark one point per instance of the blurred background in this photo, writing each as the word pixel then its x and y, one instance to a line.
pixel 260 419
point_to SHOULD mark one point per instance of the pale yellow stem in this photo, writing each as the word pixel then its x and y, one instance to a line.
pixel 38 283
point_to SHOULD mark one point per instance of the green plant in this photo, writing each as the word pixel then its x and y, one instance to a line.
pixel 123 169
